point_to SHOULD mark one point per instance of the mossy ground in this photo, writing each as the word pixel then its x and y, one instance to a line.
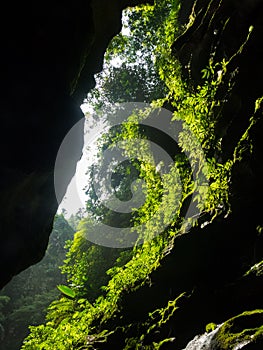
pixel 246 327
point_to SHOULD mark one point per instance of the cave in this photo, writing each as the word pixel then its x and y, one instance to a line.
pixel 50 54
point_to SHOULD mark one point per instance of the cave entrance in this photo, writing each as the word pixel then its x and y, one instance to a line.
pixel 129 75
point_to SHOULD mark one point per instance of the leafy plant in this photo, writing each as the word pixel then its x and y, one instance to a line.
pixel 68 292
pixel 100 277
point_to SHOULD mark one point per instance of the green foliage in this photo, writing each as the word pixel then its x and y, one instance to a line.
pixel 68 292
pixel 156 319
pixel 99 277
pixel 246 327
pixel 210 327
pixel 86 263
pixel 256 269
pixel 161 316
pixel 131 82
pixel 130 67
pixel 24 300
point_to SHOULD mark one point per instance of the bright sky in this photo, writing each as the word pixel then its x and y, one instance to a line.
pixel 75 197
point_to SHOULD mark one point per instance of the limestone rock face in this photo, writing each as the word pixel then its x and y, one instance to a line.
pixel 50 51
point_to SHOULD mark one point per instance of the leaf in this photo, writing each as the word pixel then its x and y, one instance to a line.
pixel 66 291
pixel 82 301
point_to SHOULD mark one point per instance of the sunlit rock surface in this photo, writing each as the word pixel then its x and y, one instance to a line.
pixel 243 331
pixel 202 342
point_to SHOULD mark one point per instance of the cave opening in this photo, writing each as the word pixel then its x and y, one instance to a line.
pixel 174 259
pixel 128 75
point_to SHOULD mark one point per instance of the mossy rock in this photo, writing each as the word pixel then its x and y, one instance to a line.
pixel 210 327
pixel 256 269
pixel 245 330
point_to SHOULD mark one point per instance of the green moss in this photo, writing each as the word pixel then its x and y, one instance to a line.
pixel 256 269
pixel 210 327
pixel 247 326
pixel 146 333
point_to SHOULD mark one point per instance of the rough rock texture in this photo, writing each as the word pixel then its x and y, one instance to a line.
pixel 244 331
pixel 49 53
pixel 222 27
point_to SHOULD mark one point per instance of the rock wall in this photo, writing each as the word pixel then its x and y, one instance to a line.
pixel 210 263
